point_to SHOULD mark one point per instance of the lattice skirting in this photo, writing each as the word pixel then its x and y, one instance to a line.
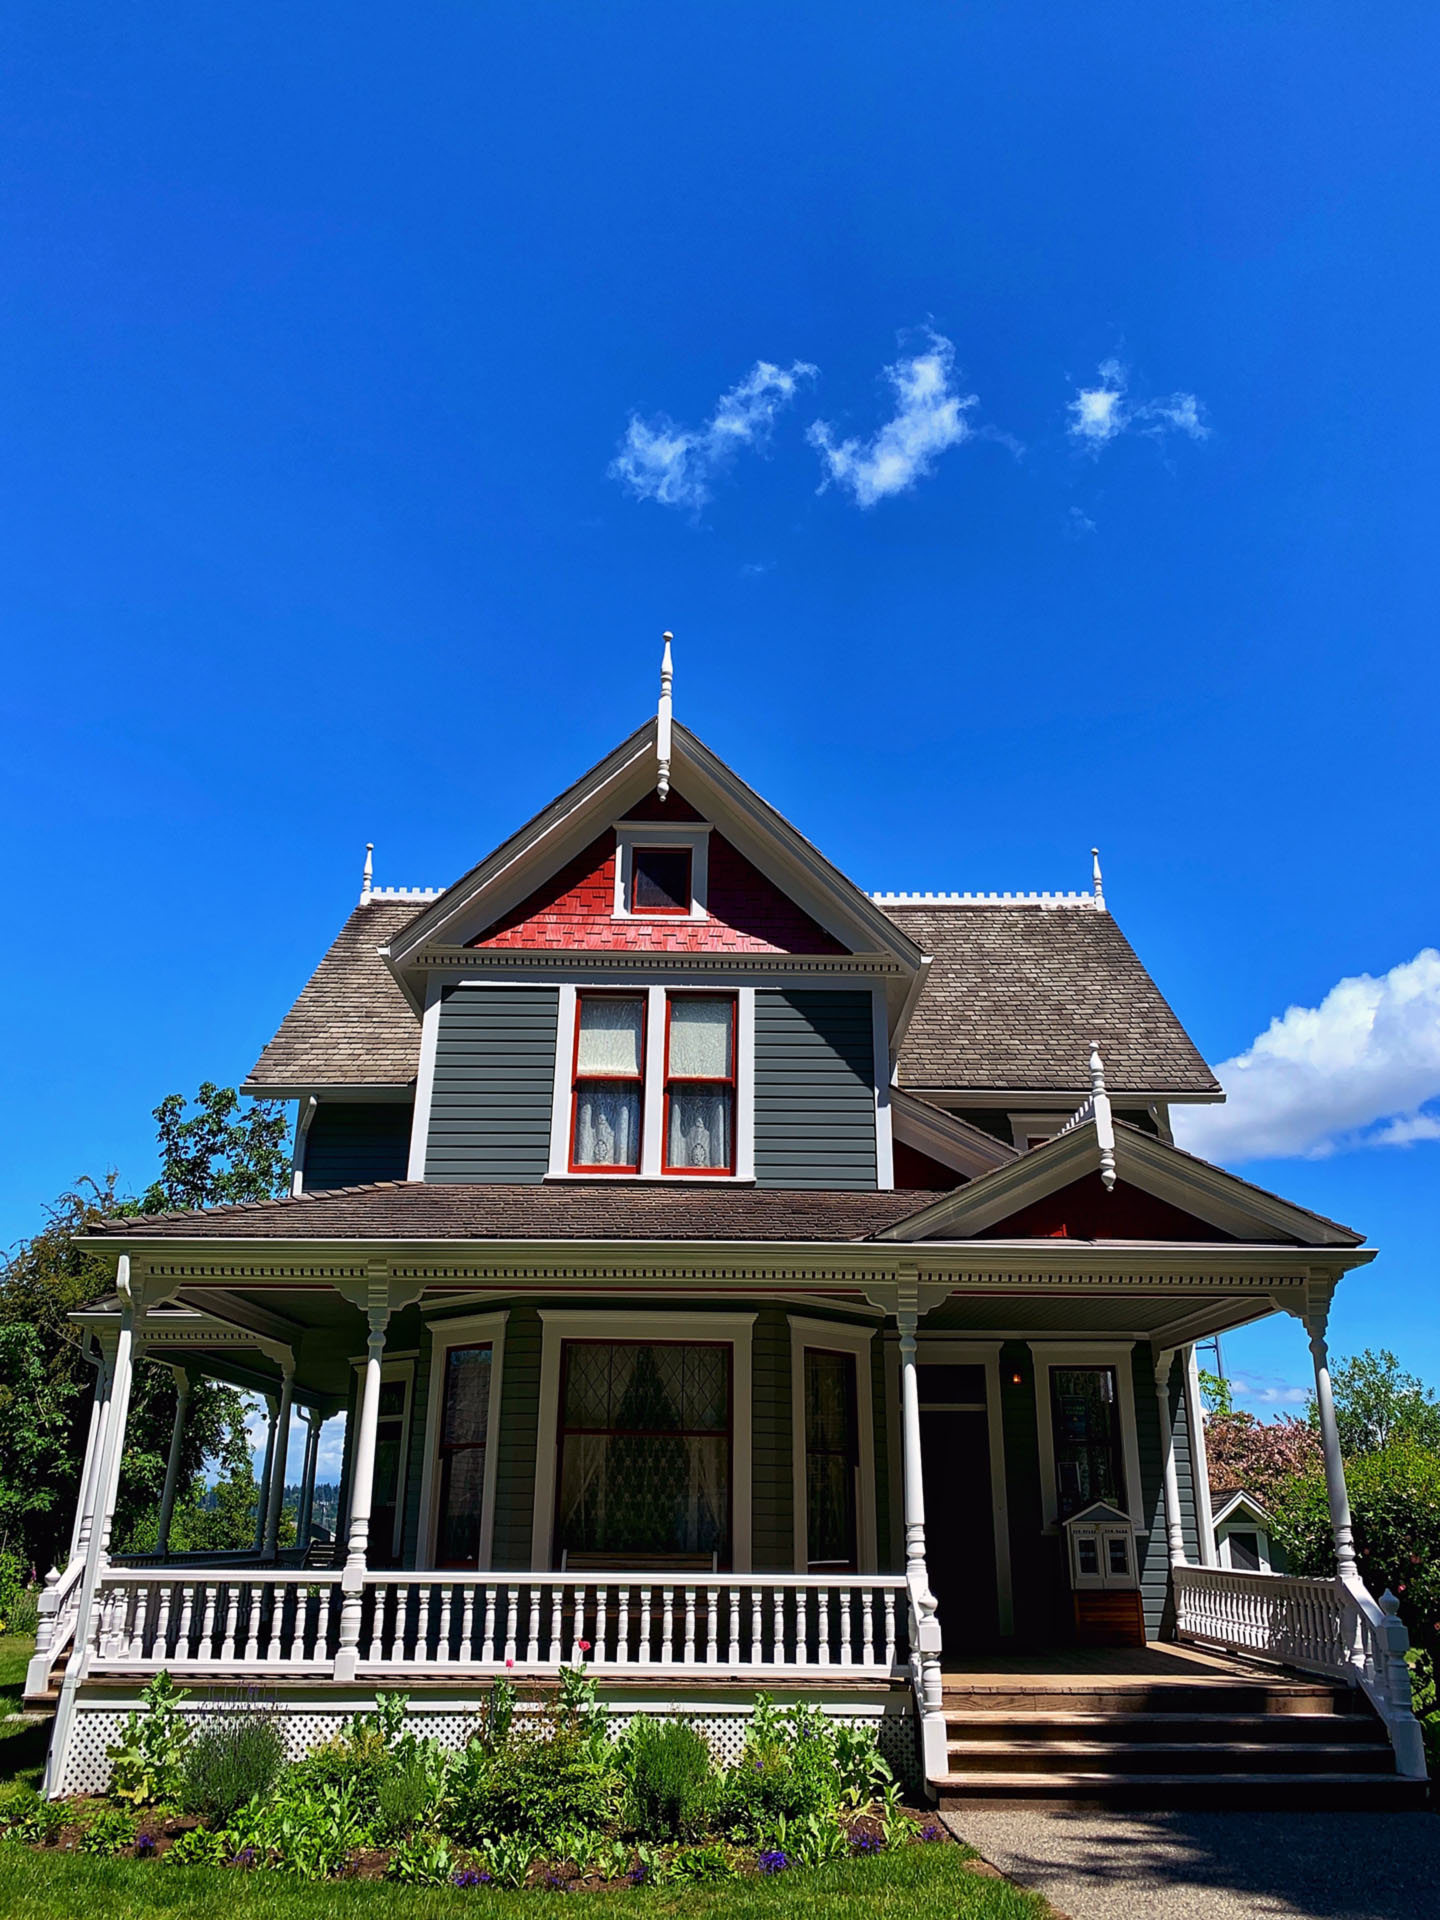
pixel 309 1718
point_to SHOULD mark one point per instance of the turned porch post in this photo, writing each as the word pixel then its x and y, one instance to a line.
pixel 314 1420
pixel 362 1481
pixel 94 1450
pixel 1174 1529
pixel 183 1389
pixel 107 1482
pixel 262 1497
pixel 925 1627
pixel 1316 1320
pixel 280 1448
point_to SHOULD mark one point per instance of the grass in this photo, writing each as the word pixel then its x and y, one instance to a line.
pixel 22 1742
pixel 919 1883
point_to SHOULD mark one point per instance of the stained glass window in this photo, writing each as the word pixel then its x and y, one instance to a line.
pixel 1085 1423
pixel 644 1449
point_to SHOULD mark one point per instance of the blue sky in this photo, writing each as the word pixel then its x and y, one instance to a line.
pixel 324 328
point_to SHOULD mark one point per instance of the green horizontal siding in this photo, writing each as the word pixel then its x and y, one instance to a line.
pixel 494 1083
pixel 814 1089
pixel 772 1491
pixel 352 1142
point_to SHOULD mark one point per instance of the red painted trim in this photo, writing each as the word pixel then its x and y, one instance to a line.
pixel 661 913
pixel 689 1082
pixel 621 1079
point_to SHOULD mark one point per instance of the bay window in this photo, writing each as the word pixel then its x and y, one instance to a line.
pixel 700 1084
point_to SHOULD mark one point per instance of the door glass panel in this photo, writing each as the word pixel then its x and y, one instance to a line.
pixel 831 1459
pixel 464 1425
pixel 1085 1422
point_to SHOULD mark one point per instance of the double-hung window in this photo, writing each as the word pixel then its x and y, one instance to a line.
pixel 609 1083
pixel 699 1083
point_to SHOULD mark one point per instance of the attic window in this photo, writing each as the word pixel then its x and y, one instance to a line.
pixel 660 880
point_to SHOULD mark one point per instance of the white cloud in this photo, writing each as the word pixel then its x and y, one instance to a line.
pixel 1359 1070
pixel 675 466
pixel 929 417
pixel 1099 413
pixel 1260 1390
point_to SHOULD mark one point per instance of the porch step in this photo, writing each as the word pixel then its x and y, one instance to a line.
pixel 1113 1696
pixel 1213 1756
pixel 1165 1728
pixel 1322 1792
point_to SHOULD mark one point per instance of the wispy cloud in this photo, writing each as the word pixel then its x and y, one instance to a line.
pixel 675 465
pixel 929 418
pixel 1265 1390
pixel 1101 413
pixel 1360 1070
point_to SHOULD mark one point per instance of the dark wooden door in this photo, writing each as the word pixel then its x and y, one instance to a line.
pixel 959 1522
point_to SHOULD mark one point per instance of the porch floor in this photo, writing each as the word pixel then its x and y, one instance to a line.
pixel 1057 1668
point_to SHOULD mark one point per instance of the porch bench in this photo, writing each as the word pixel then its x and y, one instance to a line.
pixel 639 1563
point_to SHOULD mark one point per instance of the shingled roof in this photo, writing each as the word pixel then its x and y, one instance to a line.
pixel 412 1210
pixel 351 1026
pixel 1015 995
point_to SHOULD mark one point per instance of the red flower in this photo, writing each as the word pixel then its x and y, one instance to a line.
pixel 509 1663
pixel 584 1645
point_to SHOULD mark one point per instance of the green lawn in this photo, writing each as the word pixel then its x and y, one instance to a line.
pixel 920 1883
pixel 22 1743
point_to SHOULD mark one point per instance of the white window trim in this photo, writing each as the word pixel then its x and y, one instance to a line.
pixel 1262 1540
pixel 652 1121
pixel 648 833
pixel 1025 1127
pixel 425 1078
pixel 884 1128
pixel 396 1369
pixel 828 1336
pixel 936 1350
pixel 1088 1353
pixel 561 1324
pixel 473 1330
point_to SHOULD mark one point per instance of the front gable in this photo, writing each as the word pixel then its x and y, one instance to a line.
pixel 1087 1210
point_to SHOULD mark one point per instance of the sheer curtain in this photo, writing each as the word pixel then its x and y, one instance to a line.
pixel 700 1123
pixel 607 1108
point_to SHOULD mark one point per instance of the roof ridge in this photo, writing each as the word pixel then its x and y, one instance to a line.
pixel 1042 899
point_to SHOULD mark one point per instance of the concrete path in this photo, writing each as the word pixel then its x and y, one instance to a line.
pixel 1216 1866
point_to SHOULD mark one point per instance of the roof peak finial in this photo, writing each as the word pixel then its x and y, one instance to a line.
pixel 1099 883
pixel 662 720
pixel 367 878
pixel 1104 1120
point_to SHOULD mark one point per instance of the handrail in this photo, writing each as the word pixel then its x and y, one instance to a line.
pixel 651 1577
pixel 57 1612
pixel 1333 1626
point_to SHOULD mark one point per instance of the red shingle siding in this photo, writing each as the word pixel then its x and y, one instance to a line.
pixel 1085 1211
pixel 575 909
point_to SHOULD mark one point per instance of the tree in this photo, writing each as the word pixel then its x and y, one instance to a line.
pixel 1258 1455
pixel 213 1155
pixel 1376 1405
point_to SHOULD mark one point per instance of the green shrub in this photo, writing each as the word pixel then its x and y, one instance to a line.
pixel 112 1831
pixel 357 1759
pixel 406 1797
pixel 669 1777
pixel 200 1848
pixel 423 1862
pixel 146 1762
pixel 785 1772
pixel 310 1831
pixel 701 1865
pixel 536 1783
pixel 17 1800
pixel 233 1758
pixel 27 1816
pixel 19 1602
pixel 508 1860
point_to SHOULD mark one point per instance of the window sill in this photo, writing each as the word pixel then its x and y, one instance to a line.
pixel 651 1179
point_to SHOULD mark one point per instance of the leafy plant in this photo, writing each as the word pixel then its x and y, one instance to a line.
pixel 893 1817
pixel 816 1839
pixel 701 1866
pixel 310 1832
pixel 199 1848
pixel 497 1715
pixel 234 1757
pixel 786 1771
pixel 147 1761
pixel 508 1859
pixel 538 1782
pixel 425 1861
pixel 27 1816
pixel 862 1770
pixel 112 1831
pixel 407 1797
pixel 669 1777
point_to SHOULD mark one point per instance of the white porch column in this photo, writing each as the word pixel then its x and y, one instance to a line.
pixel 1316 1317
pixel 1174 1530
pixel 925 1625
pixel 262 1498
pixel 107 1482
pixel 1199 1458
pixel 95 1447
pixel 279 1448
pixel 314 1420
pixel 183 1390
pixel 362 1481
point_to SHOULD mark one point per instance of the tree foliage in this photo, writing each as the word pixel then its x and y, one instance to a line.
pixel 1257 1455
pixel 208 1156
pixel 1378 1404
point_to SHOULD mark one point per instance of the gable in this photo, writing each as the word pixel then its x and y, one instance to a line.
pixel 574 908
pixel 1085 1210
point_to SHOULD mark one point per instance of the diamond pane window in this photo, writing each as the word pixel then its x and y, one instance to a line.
pixel 644 1450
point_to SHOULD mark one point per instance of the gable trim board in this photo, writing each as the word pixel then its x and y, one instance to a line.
pixel 945 1137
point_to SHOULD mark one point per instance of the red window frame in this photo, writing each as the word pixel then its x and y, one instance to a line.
pixel 690 1083
pixel 636 1080
pixel 659 846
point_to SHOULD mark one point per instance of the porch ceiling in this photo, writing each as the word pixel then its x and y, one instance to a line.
pixel 1141 1314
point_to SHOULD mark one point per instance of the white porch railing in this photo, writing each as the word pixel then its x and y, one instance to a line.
pixel 1333 1626
pixel 294 1621
pixel 58 1611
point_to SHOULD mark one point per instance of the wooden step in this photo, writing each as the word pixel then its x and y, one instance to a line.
pixel 1166 1696
pixel 1189 1728
pixel 1214 1757
pixel 1324 1792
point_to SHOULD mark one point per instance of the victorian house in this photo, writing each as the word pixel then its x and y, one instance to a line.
pixel 739 1281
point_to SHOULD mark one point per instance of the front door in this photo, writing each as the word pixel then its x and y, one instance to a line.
pixel 959 1523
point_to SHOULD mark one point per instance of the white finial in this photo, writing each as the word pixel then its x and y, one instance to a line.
pixel 662 723
pixel 1099 883
pixel 1104 1119
pixel 368 876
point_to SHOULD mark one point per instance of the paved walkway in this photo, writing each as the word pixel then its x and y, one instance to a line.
pixel 1216 1866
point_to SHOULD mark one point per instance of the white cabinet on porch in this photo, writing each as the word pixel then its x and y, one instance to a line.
pixel 1104 1570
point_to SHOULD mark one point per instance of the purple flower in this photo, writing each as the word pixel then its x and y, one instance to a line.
pixel 145 1845
pixel 244 1858
pixel 773 1861
pixel 639 1874
pixel 934 1831
pixel 866 1843
pixel 469 1877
